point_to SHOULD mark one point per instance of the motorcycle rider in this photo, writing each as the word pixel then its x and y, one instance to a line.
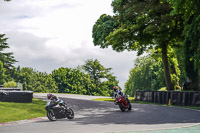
pixel 118 93
pixel 55 100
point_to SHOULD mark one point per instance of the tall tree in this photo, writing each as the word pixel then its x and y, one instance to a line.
pixel 72 81
pixel 190 11
pixel 34 80
pixel 6 58
pixel 2 75
pixel 140 25
pixel 96 70
pixel 147 74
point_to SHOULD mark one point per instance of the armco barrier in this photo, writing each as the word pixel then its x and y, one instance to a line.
pixel 180 98
pixel 139 96
pixel 174 98
pixel 196 99
pixel 164 97
pixel 156 97
pixel 147 96
pixel 16 96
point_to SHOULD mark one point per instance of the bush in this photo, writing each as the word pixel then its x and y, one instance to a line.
pixel 10 84
pixel 163 89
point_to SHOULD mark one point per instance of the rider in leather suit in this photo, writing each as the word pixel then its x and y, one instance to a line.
pixel 118 93
pixel 55 100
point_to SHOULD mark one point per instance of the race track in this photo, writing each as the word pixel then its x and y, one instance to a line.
pixel 105 117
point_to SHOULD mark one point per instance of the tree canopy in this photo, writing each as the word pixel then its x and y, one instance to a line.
pixel 190 12
pixel 140 26
pixel 7 58
pixel 95 70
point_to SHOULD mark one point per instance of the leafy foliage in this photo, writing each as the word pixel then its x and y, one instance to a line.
pixel 10 84
pixel 6 58
pixel 190 10
pixel 146 75
pixel 100 76
pixel 72 81
pixel 140 26
pixel 2 75
pixel 35 81
pixel 102 28
pixel 95 70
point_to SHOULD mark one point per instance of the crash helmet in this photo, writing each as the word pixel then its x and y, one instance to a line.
pixel 115 88
pixel 49 96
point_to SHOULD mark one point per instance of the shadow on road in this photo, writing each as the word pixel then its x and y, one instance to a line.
pixel 97 112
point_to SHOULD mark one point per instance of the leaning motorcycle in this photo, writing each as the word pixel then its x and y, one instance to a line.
pixel 58 111
pixel 123 103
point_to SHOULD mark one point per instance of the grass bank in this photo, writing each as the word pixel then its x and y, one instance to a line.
pixel 131 99
pixel 111 99
pixel 11 111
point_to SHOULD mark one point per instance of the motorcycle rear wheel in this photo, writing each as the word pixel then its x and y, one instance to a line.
pixel 70 113
pixel 51 116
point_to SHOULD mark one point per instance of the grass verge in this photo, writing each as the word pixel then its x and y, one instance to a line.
pixel 141 102
pixel 111 99
pixel 11 111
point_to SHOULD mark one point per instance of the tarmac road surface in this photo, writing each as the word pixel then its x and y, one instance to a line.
pixel 105 117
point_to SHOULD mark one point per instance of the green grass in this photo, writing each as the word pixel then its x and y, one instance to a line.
pixel 10 111
pixel 141 102
pixel 104 99
pixel 110 99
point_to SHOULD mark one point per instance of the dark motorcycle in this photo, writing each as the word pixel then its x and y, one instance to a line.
pixel 58 111
pixel 123 103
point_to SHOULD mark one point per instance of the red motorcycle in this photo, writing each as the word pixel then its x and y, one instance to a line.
pixel 123 103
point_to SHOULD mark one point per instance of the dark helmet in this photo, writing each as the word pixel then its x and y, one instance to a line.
pixel 49 96
pixel 115 88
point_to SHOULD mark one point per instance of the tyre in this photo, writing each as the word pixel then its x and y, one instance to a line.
pixel 70 113
pixel 129 106
pixel 122 108
pixel 51 116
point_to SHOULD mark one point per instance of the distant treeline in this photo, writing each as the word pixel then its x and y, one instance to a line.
pixel 66 80
pixel 91 79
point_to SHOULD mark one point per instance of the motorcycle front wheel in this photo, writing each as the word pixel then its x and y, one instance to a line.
pixel 129 105
pixel 51 116
pixel 70 113
pixel 122 108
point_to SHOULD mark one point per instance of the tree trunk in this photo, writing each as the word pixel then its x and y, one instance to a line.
pixel 167 75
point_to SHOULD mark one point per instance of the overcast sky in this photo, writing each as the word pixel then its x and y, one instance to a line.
pixel 49 34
